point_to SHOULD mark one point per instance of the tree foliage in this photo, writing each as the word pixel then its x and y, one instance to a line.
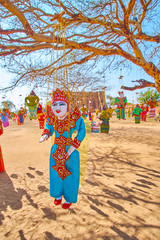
pixel 8 105
pixel 91 31
pixel 144 96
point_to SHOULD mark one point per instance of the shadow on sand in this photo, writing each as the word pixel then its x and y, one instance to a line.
pixel 8 195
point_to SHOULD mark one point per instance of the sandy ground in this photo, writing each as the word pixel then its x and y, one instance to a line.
pixel 120 198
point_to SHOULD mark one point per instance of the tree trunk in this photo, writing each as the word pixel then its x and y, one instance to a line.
pixel 157 82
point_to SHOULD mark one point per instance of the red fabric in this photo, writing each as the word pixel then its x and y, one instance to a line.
pixel 61 156
pixel 1 128
pixel 57 202
pixel 76 143
pixel 59 95
pixel 46 131
pixel 66 205
pixel 39 109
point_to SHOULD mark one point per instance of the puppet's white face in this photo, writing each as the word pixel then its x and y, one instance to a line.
pixel 59 108
pixel 121 95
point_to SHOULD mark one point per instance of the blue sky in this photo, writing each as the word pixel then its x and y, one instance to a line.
pixel 112 79
pixel 113 84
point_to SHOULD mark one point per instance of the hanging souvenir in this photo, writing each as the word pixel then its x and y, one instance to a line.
pixel 4 117
pixel 121 102
pixel 84 111
pixel 137 113
pixel 157 117
pixel 20 115
pixel 89 114
pixel 152 104
pixel 39 108
pixel 110 110
pixel 1 127
pixel 97 111
pixel 41 120
pixel 129 112
pixel 2 168
pixel 40 116
pixel 31 102
pixel 144 108
pixel 105 117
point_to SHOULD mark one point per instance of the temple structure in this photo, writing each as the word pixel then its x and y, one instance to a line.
pixel 92 100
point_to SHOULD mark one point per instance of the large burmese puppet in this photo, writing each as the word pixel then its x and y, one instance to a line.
pixel 121 102
pixel 64 158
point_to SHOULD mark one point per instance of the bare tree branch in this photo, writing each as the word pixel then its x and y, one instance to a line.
pixel 89 31
pixel 142 84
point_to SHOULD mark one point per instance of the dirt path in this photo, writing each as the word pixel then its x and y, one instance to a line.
pixel 120 199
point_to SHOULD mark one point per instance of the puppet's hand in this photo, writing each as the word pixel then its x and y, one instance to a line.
pixel 70 150
pixel 44 137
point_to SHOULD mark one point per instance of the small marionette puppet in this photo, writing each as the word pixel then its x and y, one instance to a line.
pixel 31 102
pixel 97 111
pixel 24 112
pixel 132 110
pixel 110 111
pixel 41 120
pixel 84 111
pixel 39 109
pixel 40 115
pixel 20 115
pixel 4 117
pixel 105 117
pixel 89 114
pixel 137 113
pixel 15 117
pixel 2 168
pixel 1 128
pixel 92 117
pixel 121 102
pixel 129 112
pixel 144 112
pixel 157 117
pixel 9 113
pixel 64 158
pixel 12 115
pixel 152 103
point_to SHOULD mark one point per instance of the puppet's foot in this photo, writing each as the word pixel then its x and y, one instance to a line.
pixel 66 205
pixel 57 201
